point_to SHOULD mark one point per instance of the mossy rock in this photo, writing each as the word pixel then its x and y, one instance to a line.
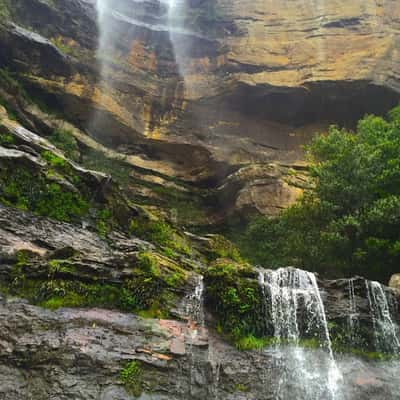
pixel 235 298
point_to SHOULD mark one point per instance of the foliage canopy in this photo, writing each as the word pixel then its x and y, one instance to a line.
pixel 348 222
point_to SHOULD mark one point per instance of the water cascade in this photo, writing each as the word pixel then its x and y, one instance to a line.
pixel 193 303
pixel 385 330
pixel 352 305
pixel 352 313
pixel 192 310
pixel 294 306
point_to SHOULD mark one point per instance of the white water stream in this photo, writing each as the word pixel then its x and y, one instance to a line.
pixel 297 311
pixel 385 330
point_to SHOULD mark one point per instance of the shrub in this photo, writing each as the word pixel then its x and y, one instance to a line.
pixel 349 219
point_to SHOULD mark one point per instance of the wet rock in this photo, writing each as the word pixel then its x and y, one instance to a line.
pixel 265 98
pixel 394 282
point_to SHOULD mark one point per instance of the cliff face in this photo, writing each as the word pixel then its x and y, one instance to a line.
pixel 198 90
pixel 81 354
pixel 78 354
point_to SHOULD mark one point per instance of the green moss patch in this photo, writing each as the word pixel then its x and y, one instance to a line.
pixel 131 377
pixel 233 294
pixel 151 288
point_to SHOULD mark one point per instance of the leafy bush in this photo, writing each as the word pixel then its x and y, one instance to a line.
pixel 349 222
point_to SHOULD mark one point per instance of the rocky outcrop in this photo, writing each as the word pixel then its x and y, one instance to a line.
pixel 79 354
pixel 202 89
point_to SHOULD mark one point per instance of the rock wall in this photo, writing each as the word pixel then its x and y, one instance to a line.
pixel 79 355
pixel 230 83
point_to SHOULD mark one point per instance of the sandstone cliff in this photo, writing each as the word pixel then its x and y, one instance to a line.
pixel 201 89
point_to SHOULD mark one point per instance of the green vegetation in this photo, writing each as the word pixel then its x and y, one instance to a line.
pixel 156 231
pixel 58 191
pixel 6 139
pixel 130 376
pixel 10 82
pixel 160 233
pixel 65 141
pixel 150 289
pixel 240 387
pixel 148 263
pixel 53 160
pixel 220 247
pixel 5 9
pixel 63 45
pixel 28 190
pixel 348 223
pixel 104 222
pixel 96 160
pixel 250 342
pixel 233 295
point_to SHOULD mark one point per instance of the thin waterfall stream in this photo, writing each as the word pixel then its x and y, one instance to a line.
pixel 385 331
pixel 353 315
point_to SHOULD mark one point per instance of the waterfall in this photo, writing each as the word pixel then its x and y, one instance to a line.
pixel 353 313
pixel 102 9
pixel 296 311
pixel 352 305
pixel 385 330
pixel 194 302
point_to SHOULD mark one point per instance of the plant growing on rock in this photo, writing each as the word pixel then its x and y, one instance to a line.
pixel 63 139
pixel 130 376
pixel 234 296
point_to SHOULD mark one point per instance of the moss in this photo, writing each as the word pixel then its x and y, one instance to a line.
pixel 59 204
pixel 155 231
pixel 11 83
pixel 63 45
pixel 371 355
pixel 56 293
pixel 150 290
pixel 220 247
pixel 131 377
pixel 240 387
pixel 233 294
pixel 149 264
pixel 250 342
pixel 96 160
pixel 170 253
pixel 6 139
pixel 160 233
pixel 104 222
pixel 53 159
pixel 65 141
pixel 5 9
pixel 155 310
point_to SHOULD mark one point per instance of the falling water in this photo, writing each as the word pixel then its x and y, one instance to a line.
pixel 192 309
pixel 194 302
pixel 296 310
pixel 385 331
pixel 353 313
pixel 352 305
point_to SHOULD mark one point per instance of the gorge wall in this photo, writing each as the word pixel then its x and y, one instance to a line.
pixel 126 123
pixel 217 94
